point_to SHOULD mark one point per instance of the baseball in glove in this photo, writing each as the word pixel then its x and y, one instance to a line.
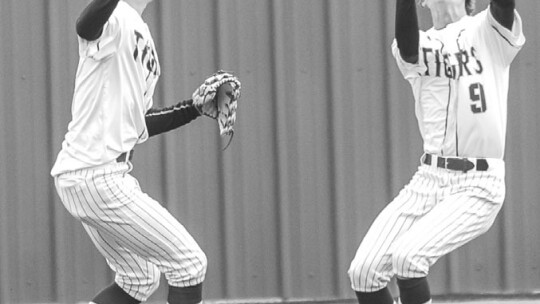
pixel 217 98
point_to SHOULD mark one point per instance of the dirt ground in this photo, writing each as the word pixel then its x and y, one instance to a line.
pixel 458 300
pixel 475 300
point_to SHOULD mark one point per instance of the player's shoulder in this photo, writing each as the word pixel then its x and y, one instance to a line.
pixel 126 19
pixel 123 9
pixel 482 18
pixel 514 36
pixel 481 14
pixel 485 17
pixel 126 14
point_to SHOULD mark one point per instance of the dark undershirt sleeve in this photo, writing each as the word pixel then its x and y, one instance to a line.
pixel 503 12
pixel 92 19
pixel 163 120
pixel 407 31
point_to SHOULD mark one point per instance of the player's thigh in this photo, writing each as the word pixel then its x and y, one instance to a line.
pixel 414 201
pixel 372 264
pixel 453 222
pixel 142 225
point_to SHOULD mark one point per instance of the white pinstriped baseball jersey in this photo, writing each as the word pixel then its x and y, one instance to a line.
pixel 460 86
pixel 115 82
pixel 467 61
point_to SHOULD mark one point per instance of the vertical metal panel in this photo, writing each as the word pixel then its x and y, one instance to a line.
pixel 28 269
pixel 326 136
pixel 358 86
pixel 521 253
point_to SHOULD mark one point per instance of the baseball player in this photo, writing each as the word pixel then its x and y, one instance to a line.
pixel 111 113
pixel 458 71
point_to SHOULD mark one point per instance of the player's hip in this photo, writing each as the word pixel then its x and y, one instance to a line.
pixel 436 181
pixel 450 165
pixel 88 192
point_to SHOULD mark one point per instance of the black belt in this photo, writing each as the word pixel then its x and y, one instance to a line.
pixel 457 164
pixel 126 156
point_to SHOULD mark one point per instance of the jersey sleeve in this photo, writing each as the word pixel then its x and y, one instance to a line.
pixel 409 70
pixel 106 45
pixel 504 42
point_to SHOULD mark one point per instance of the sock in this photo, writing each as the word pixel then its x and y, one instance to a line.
pixel 185 295
pixel 378 297
pixel 114 294
pixel 414 291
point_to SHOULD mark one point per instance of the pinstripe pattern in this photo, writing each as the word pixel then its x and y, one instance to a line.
pixel 138 237
pixel 437 212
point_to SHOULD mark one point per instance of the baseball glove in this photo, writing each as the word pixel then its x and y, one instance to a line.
pixel 217 98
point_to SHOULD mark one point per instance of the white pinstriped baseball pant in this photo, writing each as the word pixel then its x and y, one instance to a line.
pixel 138 237
pixel 436 213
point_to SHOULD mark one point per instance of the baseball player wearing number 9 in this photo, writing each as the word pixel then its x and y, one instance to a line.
pixel 458 71
pixel 112 112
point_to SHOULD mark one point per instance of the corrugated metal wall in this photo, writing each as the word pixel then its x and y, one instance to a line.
pixel 326 136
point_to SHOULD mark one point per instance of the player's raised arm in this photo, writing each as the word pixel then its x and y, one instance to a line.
pixel 93 18
pixel 407 35
pixel 503 11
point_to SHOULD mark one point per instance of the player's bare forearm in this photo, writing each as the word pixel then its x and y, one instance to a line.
pixel 407 31
pixel 93 18
pixel 163 120
pixel 503 12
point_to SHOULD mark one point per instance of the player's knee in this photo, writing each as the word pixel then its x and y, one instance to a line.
pixel 355 276
pixel 191 270
pixel 153 286
pixel 200 267
pixel 364 277
pixel 409 263
pixel 152 280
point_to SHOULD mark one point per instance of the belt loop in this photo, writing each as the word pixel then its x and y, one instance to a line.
pixel 427 159
pixel 482 164
pixel 441 162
